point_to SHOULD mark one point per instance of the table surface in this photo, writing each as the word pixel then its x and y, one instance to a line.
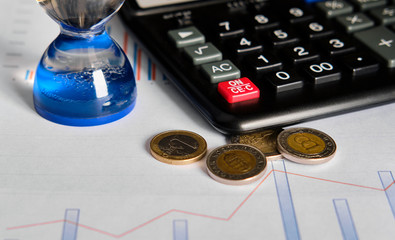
pixel 102 183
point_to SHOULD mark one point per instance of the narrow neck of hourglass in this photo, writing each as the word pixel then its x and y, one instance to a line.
pixel 82 33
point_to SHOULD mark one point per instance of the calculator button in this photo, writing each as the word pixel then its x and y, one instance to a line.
pixel 238 90
pixel 203 53
pixel 227 28
pixel 297 14
pixel 243 45
pixel 263 21
pixel 359 64
pixel 369 4
pixel 281 37
pixel 315 29
pixel 301 54
pixel 337 45
pixel 381 41
pixel 221 71
pixel 262 63
pixel 333 8
pixel 322 72
pixel 385 15
pixel 285 80
pixel 355 22
pixel 188 36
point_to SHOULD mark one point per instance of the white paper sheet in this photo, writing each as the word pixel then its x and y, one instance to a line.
pixel 82 183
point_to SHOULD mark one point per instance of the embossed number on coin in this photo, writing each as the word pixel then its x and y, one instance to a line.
pixel 178 147
pixel 236 164
pixel 306 145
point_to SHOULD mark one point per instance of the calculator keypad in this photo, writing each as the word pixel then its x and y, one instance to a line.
pixel 267 50
pixel 251 61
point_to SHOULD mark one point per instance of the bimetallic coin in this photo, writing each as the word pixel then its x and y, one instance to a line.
pixel 178 147
pixel 306 145
pixel 265 140
pixel 236 164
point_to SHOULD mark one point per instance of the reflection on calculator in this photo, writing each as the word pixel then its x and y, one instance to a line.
pixel 256 64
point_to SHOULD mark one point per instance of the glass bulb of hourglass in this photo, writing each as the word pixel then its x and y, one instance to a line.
pixel 84 78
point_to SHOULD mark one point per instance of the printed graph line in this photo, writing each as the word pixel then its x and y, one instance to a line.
pixel 285 201
pixel 125 42
pixel 387 178
pixel 232 214
pixel 70 230
pixel 180 229
pixel 138 62
pixel 29 75
pixel 345 219
pixel 151 70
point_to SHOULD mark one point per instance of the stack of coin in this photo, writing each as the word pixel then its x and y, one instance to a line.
pixel 245 159
pixel 265 140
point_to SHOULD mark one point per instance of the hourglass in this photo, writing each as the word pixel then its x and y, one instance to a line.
pixel 84 78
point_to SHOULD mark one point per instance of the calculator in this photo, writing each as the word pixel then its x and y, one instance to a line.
pixel 249 65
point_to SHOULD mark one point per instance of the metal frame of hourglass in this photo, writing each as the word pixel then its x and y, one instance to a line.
pixel 83 78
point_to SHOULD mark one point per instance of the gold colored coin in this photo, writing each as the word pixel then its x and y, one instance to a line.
pixel 178 147
pixel 306 145
pixel 236 164
pixel 265 140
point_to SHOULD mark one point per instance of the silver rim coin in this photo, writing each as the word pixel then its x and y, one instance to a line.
pixel 306 145
pixel 236 164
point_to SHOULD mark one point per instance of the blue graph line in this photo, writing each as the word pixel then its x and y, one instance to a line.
pixel 180 229
pixel 149 69
pixel 70 227
pixel 27 74
pixel 345 219
pixel 285 200
pixel 135 58
pixel 386 180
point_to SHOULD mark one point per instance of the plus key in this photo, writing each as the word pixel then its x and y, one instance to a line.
pixel 381 41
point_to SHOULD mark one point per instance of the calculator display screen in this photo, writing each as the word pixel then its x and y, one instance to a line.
pixel 156 3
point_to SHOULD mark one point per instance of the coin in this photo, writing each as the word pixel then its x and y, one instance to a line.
pixel 178 147
pixel 265 140
pixel 236 164
pixel 306 145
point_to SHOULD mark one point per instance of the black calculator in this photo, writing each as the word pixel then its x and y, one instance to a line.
pixel 248 65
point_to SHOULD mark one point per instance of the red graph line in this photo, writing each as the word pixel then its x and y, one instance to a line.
pixel 144 224
pixel 333 181
pixel 31 76
pixel 35 224
pixel 385 189
pixel 139 64
pixel 193 213
pixel 125 42
pixel 249 195
pixel 153 71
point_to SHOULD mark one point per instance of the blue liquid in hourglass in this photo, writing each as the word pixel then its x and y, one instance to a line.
pixel 84 81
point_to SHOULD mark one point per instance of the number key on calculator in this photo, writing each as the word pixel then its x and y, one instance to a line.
pixel 254 64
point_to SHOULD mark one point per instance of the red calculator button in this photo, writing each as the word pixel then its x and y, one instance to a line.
pixel 238 90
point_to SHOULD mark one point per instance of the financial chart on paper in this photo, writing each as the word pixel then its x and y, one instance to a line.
pixel 101 183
